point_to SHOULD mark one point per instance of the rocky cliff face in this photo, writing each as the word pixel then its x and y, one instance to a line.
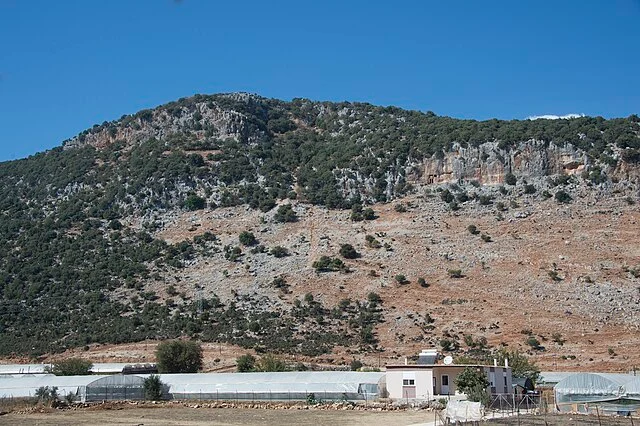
pixel 488 163
pixel 194 121
pixel 372 134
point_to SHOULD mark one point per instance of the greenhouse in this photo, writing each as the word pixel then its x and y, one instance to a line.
pixel 293 386
pixel 318 385
pixel 116 387
pixel 606 393
pixel 24 386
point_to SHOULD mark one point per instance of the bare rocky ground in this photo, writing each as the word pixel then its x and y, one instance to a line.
pixel 591 245
pixel 123 414
pixel 564 420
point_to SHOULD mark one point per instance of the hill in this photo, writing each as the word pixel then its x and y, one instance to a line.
pixel 229 218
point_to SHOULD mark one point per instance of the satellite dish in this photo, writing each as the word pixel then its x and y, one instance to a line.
pixel 448 360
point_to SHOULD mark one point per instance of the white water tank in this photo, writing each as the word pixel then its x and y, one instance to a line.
pixel 428 356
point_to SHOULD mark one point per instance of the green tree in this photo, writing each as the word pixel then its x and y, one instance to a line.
pixel 70 367
pixel 473 382
pixel 246 363
pixel 401 279
pixel 563 197
pixel 270 363
pixel 47 395
pixel 455 273
pixel 355 365
pixel 279 251
pixel 247 238
pixel 285 213
pixel 521 366
pixel 447 196
pixel 533 342
pixel 348 252
pixel 329 264
pixel 373 298
pixel 179 356
pixel 153 388
pixel 510 179
pixel 193 202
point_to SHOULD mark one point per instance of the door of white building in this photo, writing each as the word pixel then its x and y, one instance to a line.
pixel 444 384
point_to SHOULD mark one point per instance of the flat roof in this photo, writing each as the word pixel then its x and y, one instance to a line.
pixel 422 366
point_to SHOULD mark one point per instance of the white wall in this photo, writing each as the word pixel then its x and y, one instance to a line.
pixel 423 382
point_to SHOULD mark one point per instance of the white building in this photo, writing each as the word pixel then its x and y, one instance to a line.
pixel 429 381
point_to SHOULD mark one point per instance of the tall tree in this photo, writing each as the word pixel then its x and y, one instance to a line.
pixel 179 356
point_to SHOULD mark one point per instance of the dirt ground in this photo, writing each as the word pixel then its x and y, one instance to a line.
pixel 176 415
pixel 564 420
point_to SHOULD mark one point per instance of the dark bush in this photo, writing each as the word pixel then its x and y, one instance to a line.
pixel 246 363
pixel 401 279
pixel 348 252
pixel 285 213
pixel 455 273
pixel 279 251
pixel 193 202
pixel 563 197
pixel 529 189
pixel 329 264
pixel 247 238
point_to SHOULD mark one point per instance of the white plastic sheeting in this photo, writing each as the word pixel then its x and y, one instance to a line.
pixel 115 387
pixel 97 368
pixel 277 386
pixel 247 386
pixel 25 386
pixel 597 387
pixel 551 378
pixel 464 411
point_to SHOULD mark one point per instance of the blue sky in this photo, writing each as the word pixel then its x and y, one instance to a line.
pixel 66 65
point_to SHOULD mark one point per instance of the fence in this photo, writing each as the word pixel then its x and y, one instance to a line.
pixel 111 393
pixel 541 410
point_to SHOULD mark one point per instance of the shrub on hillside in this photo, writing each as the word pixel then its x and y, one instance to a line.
pixel 455 273
pixel 563 197
pixel 179 356
pixel 70 367
pixel 193 202
pixel 247 238
pixel 285 213
pixel 329 264
pixel 529 189
pixel 279 251
pixel 348 252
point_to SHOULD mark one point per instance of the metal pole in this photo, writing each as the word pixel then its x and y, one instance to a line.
pixel 598 414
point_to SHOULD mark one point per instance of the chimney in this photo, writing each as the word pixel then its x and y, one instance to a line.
pixel 506 363
pixel 405 361
pixel 495 362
